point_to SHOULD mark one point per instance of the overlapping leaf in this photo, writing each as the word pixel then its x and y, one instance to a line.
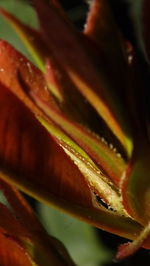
pixel 76 165
pixel 82 79
pixel 95 147
pixel 33 153
pixel 23 240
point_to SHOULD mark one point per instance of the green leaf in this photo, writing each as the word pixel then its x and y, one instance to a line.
pixel 135 185
pixel 25 13
pixel 22 10
pixel 80 239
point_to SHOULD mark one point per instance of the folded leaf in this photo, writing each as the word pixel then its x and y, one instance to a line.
pixel 37 154
pixel 85 76
pixel 51 191
pixel 29 34
pixel 29 152
pixel 94 146
pixel 105 156
pixel 46 147
pixel 58 81
pixel 96 180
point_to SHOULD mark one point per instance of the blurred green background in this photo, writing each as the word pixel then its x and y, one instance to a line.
pixel 80 239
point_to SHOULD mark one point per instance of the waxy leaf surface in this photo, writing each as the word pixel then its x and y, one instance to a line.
pixel 96 148
pixel 33 153
pixel 85 76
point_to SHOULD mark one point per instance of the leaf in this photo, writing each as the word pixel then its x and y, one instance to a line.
pixel 16 204
pixel 79 238
pixel 105 156
pixel 113 199
pixel 30 152
pixel 135 184
pixel 129 249
pixel 28 15
pixel 36 246
pixel 12 253
pixel 86 79
pixel 58 81
pixel 31 38
pixel 18 128
pixel 16 7
pixel 101 28
pixel 95 147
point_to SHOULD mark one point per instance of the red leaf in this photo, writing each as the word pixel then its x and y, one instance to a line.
pixel 87 79
pixel 99 151
pixel 15 228
pixel 129 249
pixel 20 207
pixel 60 84
pixel 31 153
pixel 13 253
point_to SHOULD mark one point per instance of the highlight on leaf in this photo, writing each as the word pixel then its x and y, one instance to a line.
pixel 77 131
